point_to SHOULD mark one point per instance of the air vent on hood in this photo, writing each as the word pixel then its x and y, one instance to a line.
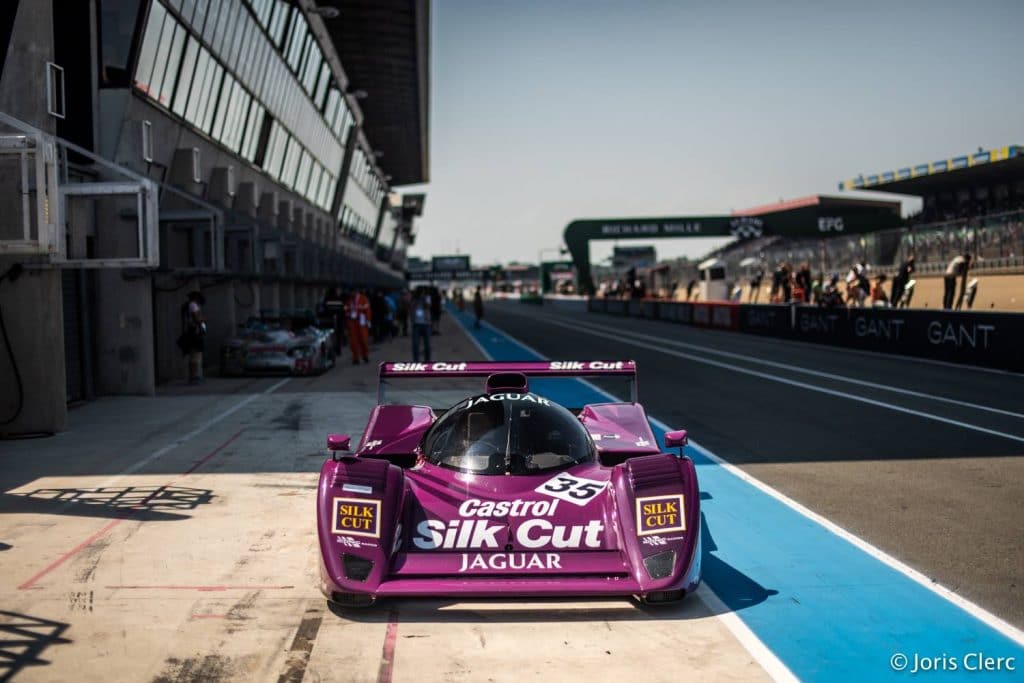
pixel 652 470
pixel 362 471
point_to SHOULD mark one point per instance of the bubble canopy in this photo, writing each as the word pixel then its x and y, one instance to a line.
pixel 502 433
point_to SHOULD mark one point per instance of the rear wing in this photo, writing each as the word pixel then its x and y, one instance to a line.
pixel 548 368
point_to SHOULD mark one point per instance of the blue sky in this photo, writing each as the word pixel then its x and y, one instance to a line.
pixel 542 112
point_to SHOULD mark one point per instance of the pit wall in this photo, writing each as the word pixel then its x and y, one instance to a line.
pixel 994 340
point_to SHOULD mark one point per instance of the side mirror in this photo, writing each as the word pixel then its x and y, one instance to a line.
pixel 338 442
pixel 676 438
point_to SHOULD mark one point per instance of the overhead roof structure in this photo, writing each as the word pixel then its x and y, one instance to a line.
pixel 823 202
pixel 384 46
pixel 984 167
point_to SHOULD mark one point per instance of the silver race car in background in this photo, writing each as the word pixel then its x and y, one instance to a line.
pixel 289 344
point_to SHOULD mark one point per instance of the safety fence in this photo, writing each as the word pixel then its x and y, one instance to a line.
pixel 994 340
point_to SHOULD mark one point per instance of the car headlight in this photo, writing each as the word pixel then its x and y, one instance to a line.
pixel 301 352
pixel 660 565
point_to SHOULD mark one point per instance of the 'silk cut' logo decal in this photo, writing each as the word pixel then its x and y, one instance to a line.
pixel 655 514
pixel 356 517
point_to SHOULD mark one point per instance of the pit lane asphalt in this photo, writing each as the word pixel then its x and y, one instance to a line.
pixel 173 537
pixel 944 498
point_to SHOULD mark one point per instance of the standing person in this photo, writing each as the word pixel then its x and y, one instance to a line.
pixel 334 306
pixel 817 288
pixel 378 315
pixel 899 283
pixel 755 286
pixel 857 286
pixel 435 311
pixel 878 297
pixel 787 282
pixel 419 314
pixel 830 295
pixel 357 320
pixel 478 307
pixel 775 293
pixel 390 311
pixel 404 303
pixel 193 335
pixel 957 268
pixel 803 281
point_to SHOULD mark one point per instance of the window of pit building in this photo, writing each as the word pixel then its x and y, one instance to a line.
pixel 162 44
pixel 150 41
pixel 313 186
pixel 117 19
pixel 302 179
pixel 253 126
pixel 296 41
pixel 279 21
pixel 321 87
pixel 337 114
pixel 274 148
pixel 291 162
pixel 227 79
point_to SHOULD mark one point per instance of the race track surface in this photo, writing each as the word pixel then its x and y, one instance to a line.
pixel 920 459
pixel 172 538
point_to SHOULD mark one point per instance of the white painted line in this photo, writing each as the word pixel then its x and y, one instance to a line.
pixel 771 664
pixel 794 368
pixel 792 382
pixel 979 613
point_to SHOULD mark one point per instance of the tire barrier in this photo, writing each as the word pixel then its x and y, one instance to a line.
pixel 988 339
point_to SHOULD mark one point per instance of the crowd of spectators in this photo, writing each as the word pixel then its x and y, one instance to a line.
pixel 991 237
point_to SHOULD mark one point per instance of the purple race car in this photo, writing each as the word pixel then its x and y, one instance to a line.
pixel 508 493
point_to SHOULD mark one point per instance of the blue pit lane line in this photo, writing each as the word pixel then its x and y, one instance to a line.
pixel 826 608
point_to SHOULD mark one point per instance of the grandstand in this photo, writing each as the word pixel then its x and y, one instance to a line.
pixel 971 203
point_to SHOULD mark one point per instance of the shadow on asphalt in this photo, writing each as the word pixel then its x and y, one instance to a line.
pixel 143 503
pixel 23 639
pixel 734 588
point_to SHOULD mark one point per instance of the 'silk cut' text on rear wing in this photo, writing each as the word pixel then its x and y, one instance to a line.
pixel 625 369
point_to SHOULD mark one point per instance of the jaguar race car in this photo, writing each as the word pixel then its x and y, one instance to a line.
pixel 508 493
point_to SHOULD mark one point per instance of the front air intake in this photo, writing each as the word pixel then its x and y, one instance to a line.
pixel 659 566
pixel 661 597
pixel 352 599
pixel 507 381
pixel 356 568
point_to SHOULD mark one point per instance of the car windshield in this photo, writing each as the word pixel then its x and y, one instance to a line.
pixel 507 433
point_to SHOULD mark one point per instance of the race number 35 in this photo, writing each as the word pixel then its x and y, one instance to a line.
pixel 575 490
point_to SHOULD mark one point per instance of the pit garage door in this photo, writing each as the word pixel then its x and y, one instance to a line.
pixel 77 347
